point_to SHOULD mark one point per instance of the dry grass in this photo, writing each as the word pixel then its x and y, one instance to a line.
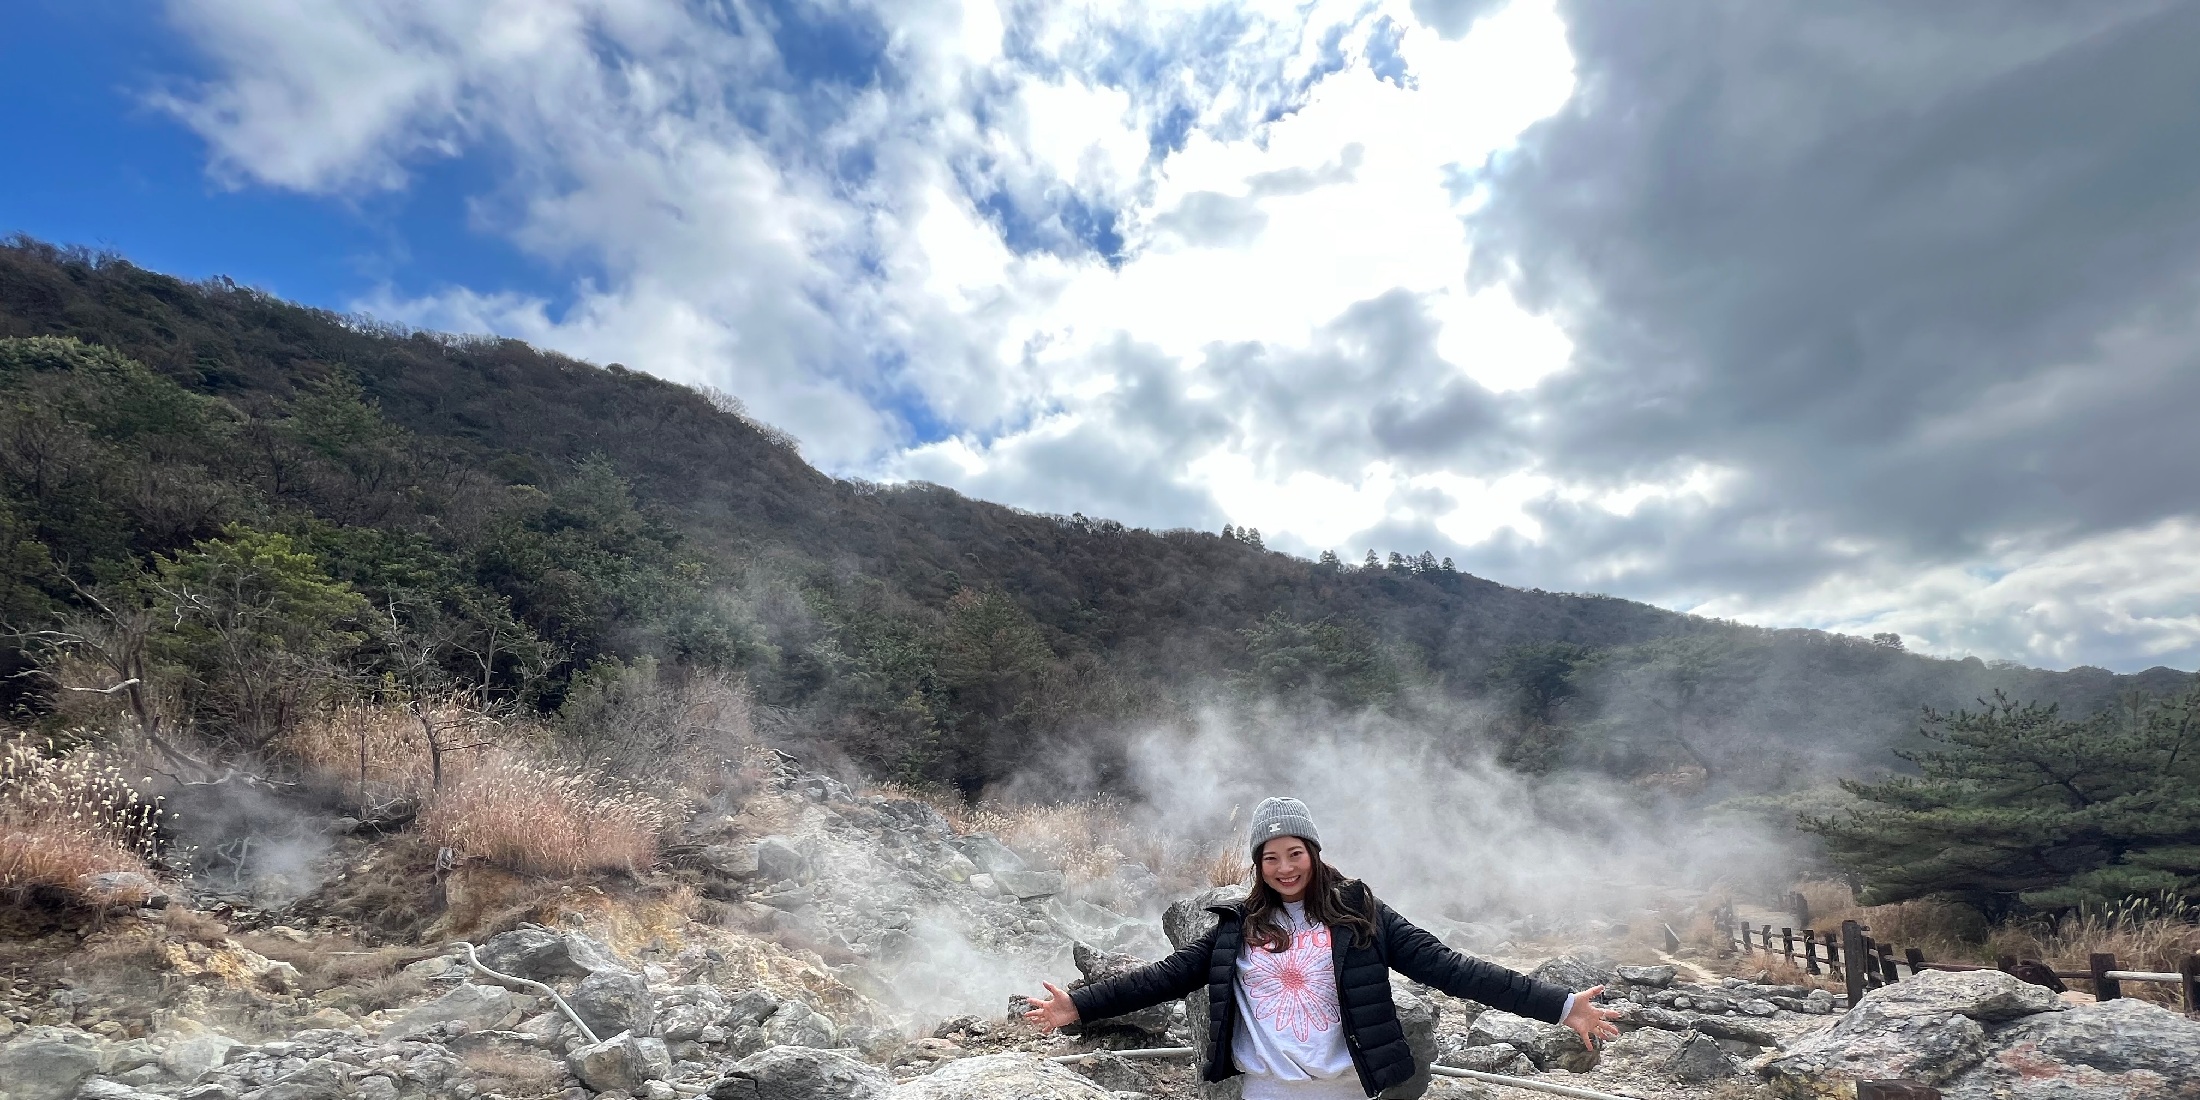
pixel 537 819
pixel 2142 934
pixel 67 817
pixel 379 755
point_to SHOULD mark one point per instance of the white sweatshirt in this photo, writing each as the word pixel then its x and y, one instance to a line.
pixel 1289 1041
pixel 1290 1031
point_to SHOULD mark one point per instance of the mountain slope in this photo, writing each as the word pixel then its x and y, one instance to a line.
pixel 880 617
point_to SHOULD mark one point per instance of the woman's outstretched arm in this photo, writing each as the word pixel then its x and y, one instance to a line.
pixel 1423 958
pixel 1175 976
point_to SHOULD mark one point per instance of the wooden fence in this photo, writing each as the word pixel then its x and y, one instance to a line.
pixel 1864 963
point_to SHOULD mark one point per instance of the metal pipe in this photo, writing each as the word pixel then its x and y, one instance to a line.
pixel 1524 1083
pixel 1147 1052
pixel 474 961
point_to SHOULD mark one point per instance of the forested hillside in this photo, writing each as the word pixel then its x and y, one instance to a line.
pixel 253 509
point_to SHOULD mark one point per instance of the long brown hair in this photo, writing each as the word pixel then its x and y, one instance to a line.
pixel 1325 904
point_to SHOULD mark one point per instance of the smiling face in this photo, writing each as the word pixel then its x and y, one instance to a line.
pixel 1287 866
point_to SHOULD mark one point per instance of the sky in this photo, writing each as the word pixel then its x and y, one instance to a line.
pixel 1872 316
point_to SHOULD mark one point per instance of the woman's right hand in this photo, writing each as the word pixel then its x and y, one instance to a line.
pixel 1053 1012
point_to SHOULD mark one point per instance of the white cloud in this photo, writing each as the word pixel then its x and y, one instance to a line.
pixel 2120 598
pixel 1288 338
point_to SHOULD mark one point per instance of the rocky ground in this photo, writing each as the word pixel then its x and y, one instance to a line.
pixel 813 942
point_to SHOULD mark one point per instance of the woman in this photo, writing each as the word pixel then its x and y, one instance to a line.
pixel 1298 978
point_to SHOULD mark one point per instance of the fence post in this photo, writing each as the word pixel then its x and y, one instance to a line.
pixel 1787 945
pixel 1870 959
pixel 1852 959
pixel 1916 959
pixel 2105 988
pixel 1833 950
pixel 1886 964
pixel 2189 970
pixel 1810 952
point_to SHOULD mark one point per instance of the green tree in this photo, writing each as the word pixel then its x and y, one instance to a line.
pixel 1537 677
pixel 255 626
pixel 1329 659
pixel 992 659
pixel 2015 803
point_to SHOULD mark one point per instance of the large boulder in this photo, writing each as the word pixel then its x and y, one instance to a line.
pixel 48 1063
pixel 795 1024
pixel 684 1011
pixel 1929 1029
pixel 1418 1016
pixel 778 860
pixel 318 1079
pixel 530 951
pixel 192 1056
pixel 479 1007
pixel 1701 1061
pixel 732 860
pixel 1578 971
pixel 1185 921
pixel 750 1006
pixel 1492 1058
pixel 1549 1046
pixel 1656 977
pixel 621 1063
pixel 1988 996
pixel 2117 1050
pixel 801 1073
pixel 991 856
pixel 610 1001
pixel 1095 965
pixel 1000 1077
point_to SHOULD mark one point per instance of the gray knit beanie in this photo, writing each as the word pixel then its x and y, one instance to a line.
pixel 1276 817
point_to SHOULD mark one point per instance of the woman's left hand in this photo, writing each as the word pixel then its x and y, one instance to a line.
pixel 1590 1020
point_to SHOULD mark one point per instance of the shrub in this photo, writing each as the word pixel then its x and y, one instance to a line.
pixel 379 755
pixel 65 818
pixel 544 820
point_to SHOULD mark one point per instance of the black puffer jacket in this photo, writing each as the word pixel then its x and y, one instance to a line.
pixel 1371 1028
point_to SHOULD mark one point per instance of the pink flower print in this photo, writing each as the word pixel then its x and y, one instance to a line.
pixel 1294 990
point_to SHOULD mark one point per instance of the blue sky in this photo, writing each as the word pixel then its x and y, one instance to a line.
pixel 1866 320
pixel 114 171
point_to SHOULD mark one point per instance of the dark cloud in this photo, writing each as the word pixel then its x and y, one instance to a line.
pixel 1922 275
pixel 1453 18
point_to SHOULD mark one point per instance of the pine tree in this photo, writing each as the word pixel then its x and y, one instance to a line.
pixel 1449 567
pixel 1397 562
pixel 1229 532
pixel 1426 563
pixel 1372 561
pixel 2015 803
pixel 1330 561
pixel 1251 537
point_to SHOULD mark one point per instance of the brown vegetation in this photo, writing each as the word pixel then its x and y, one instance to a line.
pixel 2143 935
pixel 69 817
pixel 538 819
